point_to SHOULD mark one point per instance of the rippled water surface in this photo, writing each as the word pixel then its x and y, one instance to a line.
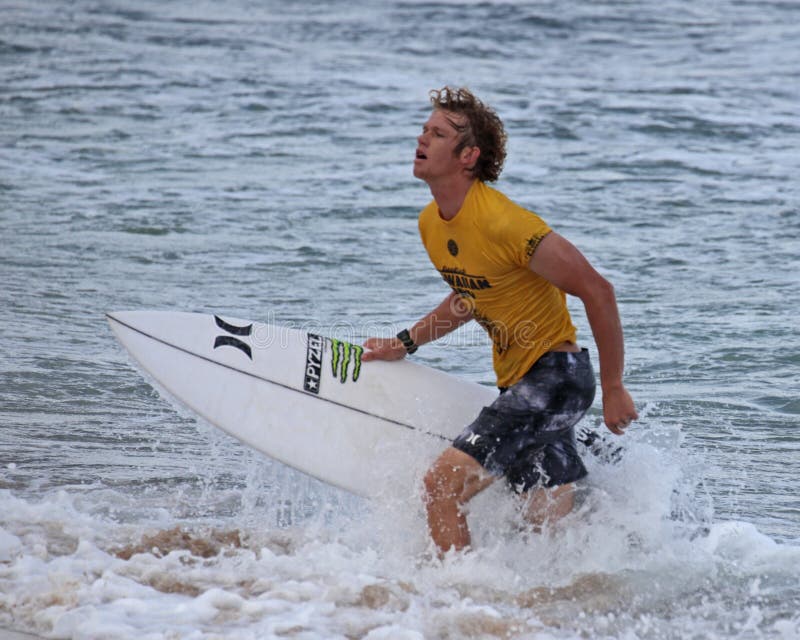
pixel 254 159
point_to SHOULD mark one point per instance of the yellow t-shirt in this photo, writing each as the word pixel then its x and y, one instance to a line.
pixel 483 254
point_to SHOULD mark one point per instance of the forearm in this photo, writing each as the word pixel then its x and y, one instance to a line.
pixel 448 316
pixel 603 316
pixel 451 313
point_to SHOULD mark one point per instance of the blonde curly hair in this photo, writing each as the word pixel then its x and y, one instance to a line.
pixel 481 127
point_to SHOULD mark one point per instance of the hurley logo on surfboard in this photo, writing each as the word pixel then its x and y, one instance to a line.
pixel 231 340
pixel 343 354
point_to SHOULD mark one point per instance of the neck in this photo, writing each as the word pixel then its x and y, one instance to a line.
pixel 450 196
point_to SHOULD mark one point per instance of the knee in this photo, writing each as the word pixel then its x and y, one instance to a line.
pixel 443 483
pixel 454 478
pixel 549 505
pixel 448 481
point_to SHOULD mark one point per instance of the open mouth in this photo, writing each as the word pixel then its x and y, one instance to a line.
pixel 421 156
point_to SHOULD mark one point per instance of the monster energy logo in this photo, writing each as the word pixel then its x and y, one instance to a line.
pixel 342 354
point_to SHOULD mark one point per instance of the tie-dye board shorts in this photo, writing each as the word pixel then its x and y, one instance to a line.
pixel 527 434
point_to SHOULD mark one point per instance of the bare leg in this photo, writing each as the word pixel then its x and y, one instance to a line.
pixel 451 481
pixel 549 505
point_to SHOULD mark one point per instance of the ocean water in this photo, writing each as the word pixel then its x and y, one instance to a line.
pixel 253 158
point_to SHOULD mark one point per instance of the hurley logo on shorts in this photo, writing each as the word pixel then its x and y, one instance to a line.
pixel 473 438
pixel 314 351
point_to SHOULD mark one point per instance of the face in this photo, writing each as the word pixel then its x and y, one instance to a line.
pixel 436 160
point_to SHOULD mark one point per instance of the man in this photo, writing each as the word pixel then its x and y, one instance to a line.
pixel 509 271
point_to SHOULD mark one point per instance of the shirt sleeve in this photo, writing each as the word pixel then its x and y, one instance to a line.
pixel 518 235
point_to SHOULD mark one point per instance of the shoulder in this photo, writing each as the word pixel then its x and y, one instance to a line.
pixel 428 209
pixel 500 214
pixel 428 213
pixel 427 217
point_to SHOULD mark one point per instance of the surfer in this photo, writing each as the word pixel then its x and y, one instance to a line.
pixel 509 271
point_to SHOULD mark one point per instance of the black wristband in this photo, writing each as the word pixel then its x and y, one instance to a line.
pixel 408 343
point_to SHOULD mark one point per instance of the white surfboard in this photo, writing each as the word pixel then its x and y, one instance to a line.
pixel 304 399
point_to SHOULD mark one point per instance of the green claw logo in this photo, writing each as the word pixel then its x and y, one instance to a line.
pixel 342 354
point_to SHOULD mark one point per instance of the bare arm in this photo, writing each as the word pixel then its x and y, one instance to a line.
pixel 451 313
pixel 558 261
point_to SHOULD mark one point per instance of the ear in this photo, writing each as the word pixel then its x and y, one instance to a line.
pixel 469 156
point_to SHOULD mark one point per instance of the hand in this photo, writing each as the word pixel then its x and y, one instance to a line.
pixel 618 409
pixel 383 349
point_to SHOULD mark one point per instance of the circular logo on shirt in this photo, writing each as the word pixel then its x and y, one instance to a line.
pixel 452 247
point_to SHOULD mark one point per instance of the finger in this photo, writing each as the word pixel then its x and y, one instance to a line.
pixel 370 350
pixel 373 354
pixel 624 424
pixel 618 428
